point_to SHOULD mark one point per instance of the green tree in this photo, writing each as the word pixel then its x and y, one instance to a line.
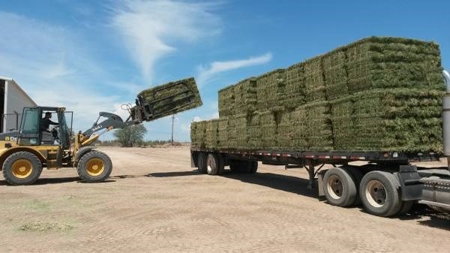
pixel 131 136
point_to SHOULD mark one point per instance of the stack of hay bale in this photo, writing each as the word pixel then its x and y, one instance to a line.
pixel 171 98
pixel 379 93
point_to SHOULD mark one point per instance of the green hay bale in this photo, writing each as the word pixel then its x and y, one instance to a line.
pixel 198 134
pixel 268 130
pixel 393 63
pixel 294 92
pixel 406 120
pixel 318 126
pixel 171 98
pixel 245 96
pixel 314 80
pixel 300 135
pixel 242 136
pixel 286 131
pixel 335 74
pixel 223 132
pixel 254 131
pixel 270 89
pixel 342 123
pixel 227 101
pixel 212 134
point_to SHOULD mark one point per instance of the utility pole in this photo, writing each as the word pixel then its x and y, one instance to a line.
pixel 173 119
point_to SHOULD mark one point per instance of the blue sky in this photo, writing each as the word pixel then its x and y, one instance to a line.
pixel 93 56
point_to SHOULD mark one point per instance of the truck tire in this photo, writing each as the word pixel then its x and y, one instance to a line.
pixel 22 168
pixel 214 164
pixel 339 187
pixel 253 167
pixel 357 176
pixel 238 166
pixel 406 206
pixel 94 166
pixel 379 193
pixel 201 163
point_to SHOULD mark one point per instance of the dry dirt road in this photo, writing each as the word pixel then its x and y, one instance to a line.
pixel 154 202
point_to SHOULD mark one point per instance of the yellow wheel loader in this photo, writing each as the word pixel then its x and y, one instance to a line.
pixel 24 152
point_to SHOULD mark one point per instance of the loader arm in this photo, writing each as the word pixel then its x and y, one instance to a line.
pixel 110 121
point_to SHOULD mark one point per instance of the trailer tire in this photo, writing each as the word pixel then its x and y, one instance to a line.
pixel 379 193
pixel 406 206
pixel 201 162
pixel 94 166
pixel 339 187
pixel 22 168
pixel 236 166
pixel 253 167
pixel 357 176
pixel 222 164
pixel 213 164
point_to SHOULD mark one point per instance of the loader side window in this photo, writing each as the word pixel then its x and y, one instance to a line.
pixel 29 129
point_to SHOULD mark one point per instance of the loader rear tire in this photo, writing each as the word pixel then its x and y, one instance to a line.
pixel 94 166
pixel 22 168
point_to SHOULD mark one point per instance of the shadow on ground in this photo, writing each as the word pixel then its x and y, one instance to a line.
pixel 279 182
pixel 45 181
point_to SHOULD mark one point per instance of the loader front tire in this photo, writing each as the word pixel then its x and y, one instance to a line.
pixel 22 168
pixel 94 166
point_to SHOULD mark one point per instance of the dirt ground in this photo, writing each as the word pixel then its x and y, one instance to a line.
pixel 155 202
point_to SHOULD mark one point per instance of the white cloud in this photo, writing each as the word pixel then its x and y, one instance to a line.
pixel 207 73
pixel 51 65
pixel 152 29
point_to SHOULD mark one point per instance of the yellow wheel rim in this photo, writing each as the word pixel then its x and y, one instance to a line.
pixel 22 168
pixel 95 167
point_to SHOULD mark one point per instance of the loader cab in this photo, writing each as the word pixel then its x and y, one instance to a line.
pixel 32 133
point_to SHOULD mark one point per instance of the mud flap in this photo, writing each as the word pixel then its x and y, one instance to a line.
pixel 411 186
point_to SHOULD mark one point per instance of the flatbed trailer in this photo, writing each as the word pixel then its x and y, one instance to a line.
pixel 387 184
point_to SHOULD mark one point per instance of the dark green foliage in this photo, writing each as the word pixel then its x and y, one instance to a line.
pixel 131 136
pixel 171 98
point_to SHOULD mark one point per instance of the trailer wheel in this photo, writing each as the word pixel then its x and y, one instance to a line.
pixel 379 192
pixel 201 162
pixel 253 167
pixel 406 206
pixel 22 168
pixel 357 176
pixel 246 167
pixel 339 187
pixel 213 164
pixel 94 166
pixel 236 166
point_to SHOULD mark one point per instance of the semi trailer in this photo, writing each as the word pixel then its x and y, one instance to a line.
pixel 386 183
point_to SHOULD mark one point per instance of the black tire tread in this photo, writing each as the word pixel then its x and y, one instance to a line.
pixel 36 163
pixel 92 154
